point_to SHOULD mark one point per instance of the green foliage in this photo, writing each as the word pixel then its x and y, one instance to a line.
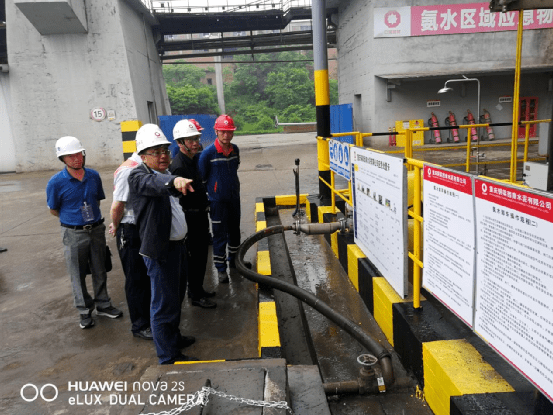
pixel 189 100
pixel 180 75
pixel 257 93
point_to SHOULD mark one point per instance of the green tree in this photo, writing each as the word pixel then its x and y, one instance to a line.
pixel 189 100
pixel 289 86
pixel 180 75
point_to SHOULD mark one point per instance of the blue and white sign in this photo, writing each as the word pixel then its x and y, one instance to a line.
pixel 339 158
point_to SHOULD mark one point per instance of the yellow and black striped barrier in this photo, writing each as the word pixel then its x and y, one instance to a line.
pixel 128 136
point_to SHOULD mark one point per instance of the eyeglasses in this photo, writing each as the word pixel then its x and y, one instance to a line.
pixel 159 153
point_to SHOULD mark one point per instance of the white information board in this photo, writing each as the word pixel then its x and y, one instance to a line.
pixel 379 183
pixel 339 157
pixel 514 297
pixel 449 244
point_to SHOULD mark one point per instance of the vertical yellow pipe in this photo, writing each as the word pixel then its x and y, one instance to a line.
pixel 468 151
pixel 322 155
pixel 409 145
pixel 526 142
pixel 417 283
pixel 332 189
pixel 516 98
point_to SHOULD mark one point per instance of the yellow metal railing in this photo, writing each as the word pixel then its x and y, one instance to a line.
pixel 514 160
pixel 417 166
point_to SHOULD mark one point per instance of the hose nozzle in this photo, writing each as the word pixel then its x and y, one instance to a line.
pixel 319 228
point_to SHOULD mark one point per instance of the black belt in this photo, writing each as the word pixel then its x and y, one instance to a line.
pixel 85 227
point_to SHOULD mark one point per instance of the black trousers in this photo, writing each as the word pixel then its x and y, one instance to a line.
pixel 197 245
pixel 137 282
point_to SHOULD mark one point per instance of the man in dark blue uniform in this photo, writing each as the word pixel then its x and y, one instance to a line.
pixel 218 166
pixel 195 206
pixel 162 229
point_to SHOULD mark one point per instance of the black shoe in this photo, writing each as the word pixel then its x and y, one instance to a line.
pixel 204 303
pixel 86 321
pixel 145 334
pixel 209 294
pixel 110 312
pixel 181 358
pixel 186 341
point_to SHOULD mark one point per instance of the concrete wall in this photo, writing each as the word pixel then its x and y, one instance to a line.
pixel 427 62
pixel 56 80
pixel 7 155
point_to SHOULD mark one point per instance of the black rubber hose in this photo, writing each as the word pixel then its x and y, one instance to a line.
pixel 347 325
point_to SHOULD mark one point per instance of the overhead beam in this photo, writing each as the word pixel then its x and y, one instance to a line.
pixel 511 5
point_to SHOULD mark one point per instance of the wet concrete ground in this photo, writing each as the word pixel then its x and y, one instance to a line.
pixel 42 343
pixel 319 272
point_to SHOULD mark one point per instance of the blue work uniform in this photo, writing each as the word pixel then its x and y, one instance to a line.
pixel 220 173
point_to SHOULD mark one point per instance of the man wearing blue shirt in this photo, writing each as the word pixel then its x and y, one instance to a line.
pixel 73 195
pixel 218 165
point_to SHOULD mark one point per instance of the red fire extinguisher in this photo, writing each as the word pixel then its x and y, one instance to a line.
pixel 450 121
pixel 470 119
pixel 433 121
pixel 391 138
pixel 489 129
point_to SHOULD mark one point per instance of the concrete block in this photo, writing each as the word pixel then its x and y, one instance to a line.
pixel 51 17
pixel 307 395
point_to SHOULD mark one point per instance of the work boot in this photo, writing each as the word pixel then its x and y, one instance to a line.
pixel 223 277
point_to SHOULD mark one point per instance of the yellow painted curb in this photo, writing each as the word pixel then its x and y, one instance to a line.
pixel 455 368
pixel 268 326
pixel 263 263
pixel 354 253
pixel 384 297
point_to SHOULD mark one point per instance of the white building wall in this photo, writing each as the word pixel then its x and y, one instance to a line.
pixel 7 155
pixel 364 63
pixel 56 80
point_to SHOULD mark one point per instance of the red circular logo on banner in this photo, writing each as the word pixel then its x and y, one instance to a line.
pixel 392 19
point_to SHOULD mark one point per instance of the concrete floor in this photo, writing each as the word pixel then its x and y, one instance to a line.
pixel 41 342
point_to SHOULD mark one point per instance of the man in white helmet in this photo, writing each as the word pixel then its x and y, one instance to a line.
pixel 162 228
pixel 123 228
pixel 195 206
pixel 73 195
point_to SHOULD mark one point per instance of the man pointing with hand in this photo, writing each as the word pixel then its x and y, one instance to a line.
pixel 162 227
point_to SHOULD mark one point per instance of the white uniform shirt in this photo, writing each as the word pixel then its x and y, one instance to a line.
pixel 179 228
pixel 121 186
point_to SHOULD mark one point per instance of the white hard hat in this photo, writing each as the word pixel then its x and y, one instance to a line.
pixel 150 135
pixel 68 145
pixel 185 129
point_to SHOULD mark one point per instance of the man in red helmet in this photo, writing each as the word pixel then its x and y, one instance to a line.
pixel 218 166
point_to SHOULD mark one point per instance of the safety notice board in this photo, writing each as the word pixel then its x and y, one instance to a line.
pixel 514 296
pixel 380 213
pixel 449 243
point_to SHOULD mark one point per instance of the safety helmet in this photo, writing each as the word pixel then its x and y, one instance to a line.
pixel 196 124
pixel 150 135
pixel 68 145
pixel 185 129
pixel 224 123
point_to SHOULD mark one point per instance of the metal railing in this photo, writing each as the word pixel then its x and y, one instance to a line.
pixel 219 6
pixel 415 212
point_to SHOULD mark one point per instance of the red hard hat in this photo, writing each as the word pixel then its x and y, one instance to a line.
pixel 224 123
pixel 196 124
